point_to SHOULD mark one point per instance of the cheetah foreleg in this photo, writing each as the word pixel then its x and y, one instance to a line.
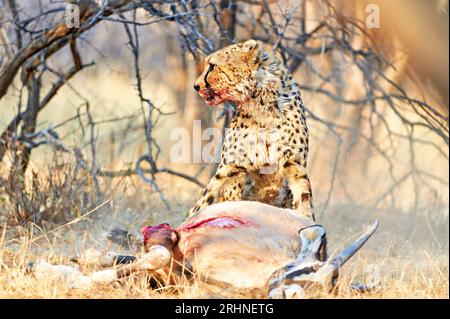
pixel 300 187
pixel 225 185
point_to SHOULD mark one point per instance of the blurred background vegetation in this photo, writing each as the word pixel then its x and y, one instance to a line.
pixel 80 107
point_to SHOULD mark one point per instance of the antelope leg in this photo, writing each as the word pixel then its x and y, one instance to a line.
pixel 156 258
pixel 105 260
pixel 69 275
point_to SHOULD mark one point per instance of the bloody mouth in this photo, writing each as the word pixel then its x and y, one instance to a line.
pixel 214 101
pixel 212 98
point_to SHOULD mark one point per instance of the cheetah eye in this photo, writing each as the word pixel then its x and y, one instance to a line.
pixel 211 67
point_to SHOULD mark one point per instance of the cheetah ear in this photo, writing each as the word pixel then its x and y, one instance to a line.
pixel 253 48
pixel 252 44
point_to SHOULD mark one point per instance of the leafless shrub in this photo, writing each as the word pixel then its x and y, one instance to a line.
pixel 58 196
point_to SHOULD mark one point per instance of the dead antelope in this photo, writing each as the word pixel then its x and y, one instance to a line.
pixel 246 246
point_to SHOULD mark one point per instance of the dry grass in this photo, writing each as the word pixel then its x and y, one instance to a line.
pixel 411 263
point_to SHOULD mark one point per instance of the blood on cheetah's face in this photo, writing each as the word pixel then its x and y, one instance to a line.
pixel 229 73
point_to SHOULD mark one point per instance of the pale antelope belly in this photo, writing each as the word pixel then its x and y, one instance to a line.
pixel 241 243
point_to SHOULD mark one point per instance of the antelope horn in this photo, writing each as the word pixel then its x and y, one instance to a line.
pixel 350 250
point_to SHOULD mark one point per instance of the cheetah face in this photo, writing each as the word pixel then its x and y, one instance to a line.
pixel 229 74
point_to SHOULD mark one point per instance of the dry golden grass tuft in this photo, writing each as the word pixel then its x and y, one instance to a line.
pixel 400 278
pixel 403 253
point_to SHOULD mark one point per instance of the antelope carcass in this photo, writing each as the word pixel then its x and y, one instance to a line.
pixel 242 246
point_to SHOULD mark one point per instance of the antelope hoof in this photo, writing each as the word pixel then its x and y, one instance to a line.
pixel 156 258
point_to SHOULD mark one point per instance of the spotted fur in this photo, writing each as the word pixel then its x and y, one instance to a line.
pixel 265 150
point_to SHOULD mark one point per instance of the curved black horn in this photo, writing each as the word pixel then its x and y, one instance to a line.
pixel 350 250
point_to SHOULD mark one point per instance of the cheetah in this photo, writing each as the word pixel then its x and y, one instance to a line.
pixel 265 149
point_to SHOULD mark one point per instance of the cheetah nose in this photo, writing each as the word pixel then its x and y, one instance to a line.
pixel 197 87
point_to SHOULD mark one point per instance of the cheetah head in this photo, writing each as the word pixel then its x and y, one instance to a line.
pixel 230 74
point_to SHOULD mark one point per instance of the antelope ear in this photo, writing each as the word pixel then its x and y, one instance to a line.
pixel 253 48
